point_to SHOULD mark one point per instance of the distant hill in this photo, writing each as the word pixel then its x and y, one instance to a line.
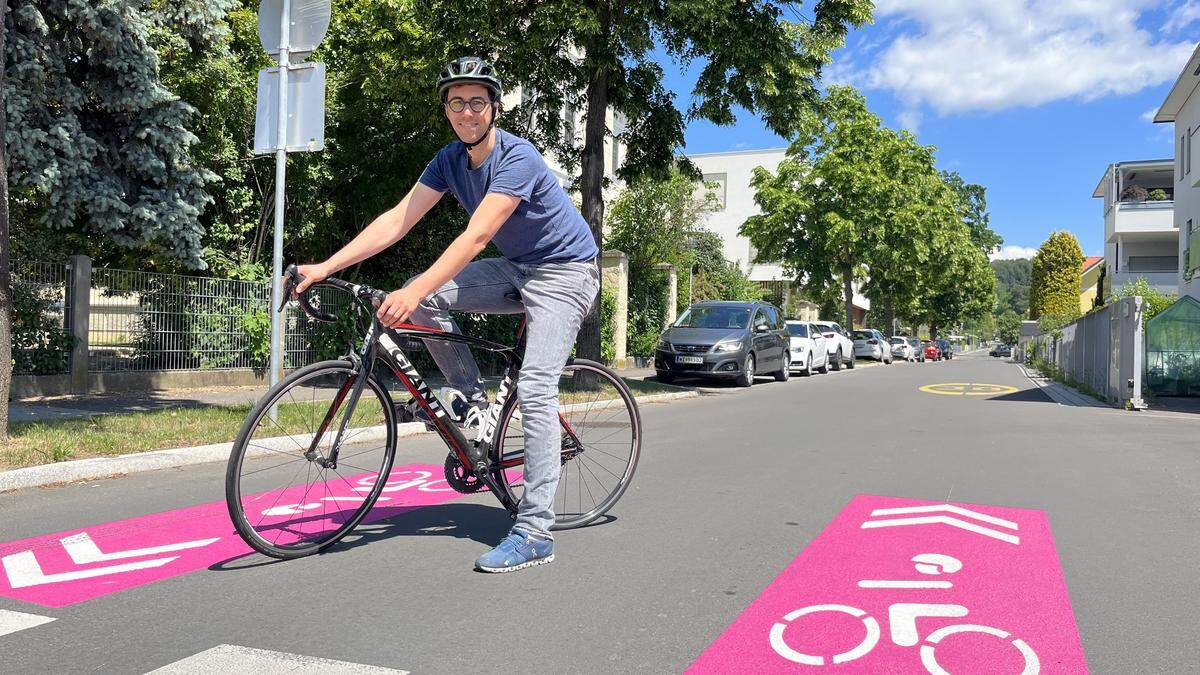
pixel 1012 285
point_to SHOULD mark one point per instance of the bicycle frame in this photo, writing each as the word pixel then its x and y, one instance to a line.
pixel 384 342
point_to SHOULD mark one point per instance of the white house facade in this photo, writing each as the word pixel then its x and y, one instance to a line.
pixel 1140 235
pixel 732 172
pixel 1182 109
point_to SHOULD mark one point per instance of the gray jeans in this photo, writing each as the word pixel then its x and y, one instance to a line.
pixel 555 297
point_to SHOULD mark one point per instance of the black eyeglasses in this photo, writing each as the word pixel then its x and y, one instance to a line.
pixel 477 104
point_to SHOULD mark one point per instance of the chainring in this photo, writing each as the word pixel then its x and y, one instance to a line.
pixel 458 478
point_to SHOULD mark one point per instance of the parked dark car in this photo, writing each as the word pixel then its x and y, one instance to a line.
pixel 946 349
pixel 725 340
pixel 932 353
pixel 1003 350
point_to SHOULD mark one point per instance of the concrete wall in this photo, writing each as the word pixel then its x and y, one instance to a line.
pixel 34 386
pixel 1103 351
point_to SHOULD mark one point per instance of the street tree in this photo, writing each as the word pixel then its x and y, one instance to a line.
pixel 919 206
pixel 763 56
pixel 1012 284
pixel 973 203
pixel 824 210
pixel 1009 327
pixel 961 285
pixel 1054 277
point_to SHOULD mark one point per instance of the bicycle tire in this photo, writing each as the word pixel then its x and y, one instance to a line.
pixel 320 374
pixel 610 384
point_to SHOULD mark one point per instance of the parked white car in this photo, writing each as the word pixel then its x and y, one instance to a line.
pixel 838 344
pixel 808 348
pixel 901 349
pixel 870 343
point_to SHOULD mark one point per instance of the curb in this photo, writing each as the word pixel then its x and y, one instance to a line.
pixel 1061 394
pixel 47 475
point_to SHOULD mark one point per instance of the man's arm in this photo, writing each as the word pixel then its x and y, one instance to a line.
pixel 492 212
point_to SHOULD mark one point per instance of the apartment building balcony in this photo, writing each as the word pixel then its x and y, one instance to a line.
pixel 1138 200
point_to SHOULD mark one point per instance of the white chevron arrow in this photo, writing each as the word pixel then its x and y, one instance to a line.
pixel 23 570
pixel 83 550
pixel 946 520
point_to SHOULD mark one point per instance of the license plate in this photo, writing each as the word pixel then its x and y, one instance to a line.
pixel 689 359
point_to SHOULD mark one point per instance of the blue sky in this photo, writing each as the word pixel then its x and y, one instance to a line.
pixel 1030 98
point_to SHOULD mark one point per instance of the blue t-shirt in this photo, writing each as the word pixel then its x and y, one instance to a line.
pixel 545 227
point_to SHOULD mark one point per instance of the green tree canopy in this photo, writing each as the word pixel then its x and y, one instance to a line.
pixel 1054 277
pixel 973 204
pixel 1009 327
pixel 96 143
pixel 824 208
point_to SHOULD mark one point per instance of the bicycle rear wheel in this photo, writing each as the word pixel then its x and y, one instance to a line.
pixel 285 504
pixel 600 450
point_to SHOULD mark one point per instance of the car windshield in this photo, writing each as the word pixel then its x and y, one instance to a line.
pixel 797 329
pixel 861 335
pixel 899 341
pixel 714 317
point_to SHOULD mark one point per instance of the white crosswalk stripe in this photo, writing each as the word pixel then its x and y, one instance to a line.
pixel 235 660
pixel 11 622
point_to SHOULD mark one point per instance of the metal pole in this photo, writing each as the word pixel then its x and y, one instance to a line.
pixel 277 317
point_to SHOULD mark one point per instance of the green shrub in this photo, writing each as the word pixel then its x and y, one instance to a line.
pixel 608 325
pixel 1155 300
pixel 40 345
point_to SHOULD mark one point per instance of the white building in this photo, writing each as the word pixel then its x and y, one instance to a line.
pixel 1182 109
pixel 1140 235
pixel 732 172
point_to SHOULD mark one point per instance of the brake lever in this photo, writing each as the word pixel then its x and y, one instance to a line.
pixel 293 277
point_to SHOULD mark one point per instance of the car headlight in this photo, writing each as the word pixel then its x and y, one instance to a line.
pixel 727 346
pixel 664 345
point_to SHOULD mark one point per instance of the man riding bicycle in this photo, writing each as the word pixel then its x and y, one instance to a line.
pixel 549 263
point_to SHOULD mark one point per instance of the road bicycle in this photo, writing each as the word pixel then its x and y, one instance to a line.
pixel 316 452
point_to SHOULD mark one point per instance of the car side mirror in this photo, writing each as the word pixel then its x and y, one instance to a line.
pixel 761 328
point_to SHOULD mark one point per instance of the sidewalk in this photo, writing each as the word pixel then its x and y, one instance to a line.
pixel 82 407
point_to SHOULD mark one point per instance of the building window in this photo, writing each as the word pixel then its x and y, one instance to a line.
pixel 717 184
pixel 1152 263
pixel 1179 155
pixel 1190 145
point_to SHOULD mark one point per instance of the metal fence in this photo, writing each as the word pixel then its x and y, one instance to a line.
pixel 40 337
pixel 147 321
pixel 1101 352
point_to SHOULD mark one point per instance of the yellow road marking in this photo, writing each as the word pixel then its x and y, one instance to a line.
pixel 967 389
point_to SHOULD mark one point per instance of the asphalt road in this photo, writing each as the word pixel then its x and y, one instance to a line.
pixel 730 489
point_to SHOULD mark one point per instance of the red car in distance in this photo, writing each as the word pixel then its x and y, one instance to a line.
pixel 932 353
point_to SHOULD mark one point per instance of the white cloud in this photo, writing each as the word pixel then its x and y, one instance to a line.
pixel 1182 15
pixel 1013 253
pixel 966 55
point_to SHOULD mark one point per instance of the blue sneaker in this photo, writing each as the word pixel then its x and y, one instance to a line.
pixel 518 551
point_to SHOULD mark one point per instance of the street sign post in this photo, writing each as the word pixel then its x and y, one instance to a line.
pixel 288 28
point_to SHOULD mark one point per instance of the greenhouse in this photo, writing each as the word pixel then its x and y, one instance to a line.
pixel 1173 350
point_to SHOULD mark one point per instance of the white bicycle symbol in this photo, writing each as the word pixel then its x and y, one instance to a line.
pixel 903 619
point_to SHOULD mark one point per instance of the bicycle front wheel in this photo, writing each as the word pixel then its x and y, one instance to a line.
pixel 601 438
pixel 283 498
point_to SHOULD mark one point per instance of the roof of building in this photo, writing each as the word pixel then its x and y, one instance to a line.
pixel 1188 80
pixel 1090 262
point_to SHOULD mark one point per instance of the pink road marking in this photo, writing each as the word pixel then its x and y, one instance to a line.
pixel 898 585
pixel 76 565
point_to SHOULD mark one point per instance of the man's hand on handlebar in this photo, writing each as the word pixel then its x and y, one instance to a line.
pixel 310 274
